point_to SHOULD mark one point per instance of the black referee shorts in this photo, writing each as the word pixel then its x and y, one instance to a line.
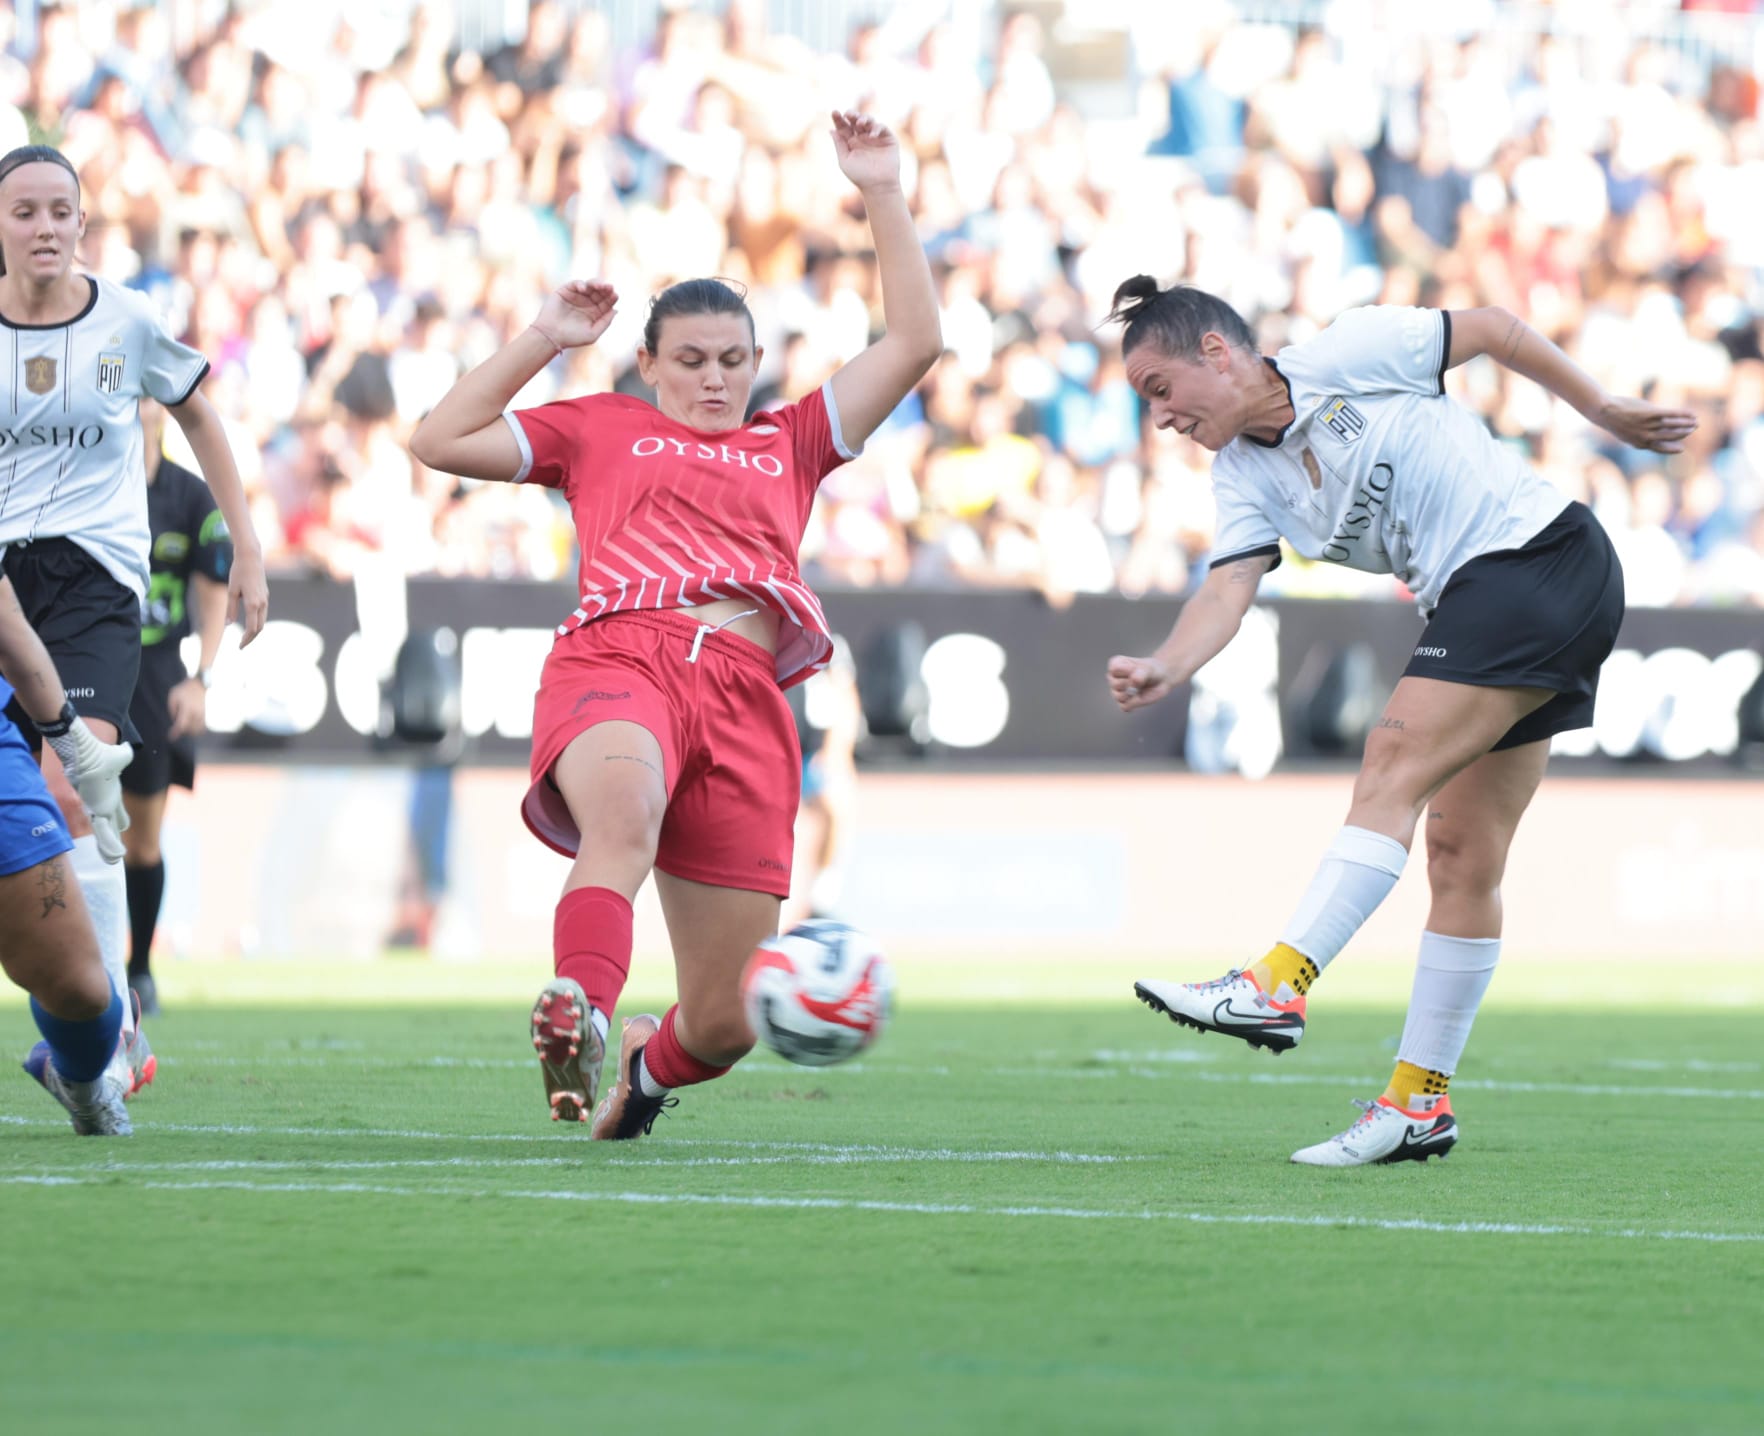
pixel 1542 616
pixel 160 759
pixel 90 623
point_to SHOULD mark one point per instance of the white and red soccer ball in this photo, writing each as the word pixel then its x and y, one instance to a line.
pixel 819 993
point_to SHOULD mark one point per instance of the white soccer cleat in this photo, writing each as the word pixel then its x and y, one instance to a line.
pixel 136 1052
pixel 1233 1004
pixel 570 1050
pixel 96 1107
pixel 1388 1133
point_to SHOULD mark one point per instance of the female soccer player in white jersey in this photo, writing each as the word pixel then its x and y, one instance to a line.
pixel 661 736
pixel 80 352
pixel 1347 447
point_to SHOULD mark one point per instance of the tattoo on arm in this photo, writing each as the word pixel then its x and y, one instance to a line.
pixel 1390 722
pixel 1510 345
pixel 633 758
pixel 1245 572
pixel 52 886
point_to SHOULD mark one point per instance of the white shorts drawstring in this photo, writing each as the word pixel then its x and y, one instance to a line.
pixel 704 628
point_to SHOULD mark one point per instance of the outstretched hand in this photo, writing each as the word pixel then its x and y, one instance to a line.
pixel 577 312
pixel 869 154
pixel 1642 425
pixel 1137 682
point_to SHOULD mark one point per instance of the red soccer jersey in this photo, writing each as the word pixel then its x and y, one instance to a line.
pixel 670 517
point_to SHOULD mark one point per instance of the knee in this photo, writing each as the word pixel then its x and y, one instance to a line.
pixel 1463 862
pixel 1391 774
pixel 630 823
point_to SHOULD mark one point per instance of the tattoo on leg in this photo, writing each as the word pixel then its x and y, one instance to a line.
pixel 52 886
pixel 1390 723
pixel 633 758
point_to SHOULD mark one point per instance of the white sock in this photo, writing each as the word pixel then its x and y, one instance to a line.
pixel 648 1084
pixel 1356 874
pixel 1451 974
pixel 107 899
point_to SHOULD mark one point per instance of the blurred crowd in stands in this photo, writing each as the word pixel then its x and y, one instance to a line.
pixel 342 209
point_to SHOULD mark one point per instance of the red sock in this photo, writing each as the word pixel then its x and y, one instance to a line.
pixel 591 942
pixel 671 1064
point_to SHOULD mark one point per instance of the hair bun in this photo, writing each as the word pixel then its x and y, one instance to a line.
pixel 1132 296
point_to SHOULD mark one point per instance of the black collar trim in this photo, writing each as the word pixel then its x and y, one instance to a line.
pixel 91 304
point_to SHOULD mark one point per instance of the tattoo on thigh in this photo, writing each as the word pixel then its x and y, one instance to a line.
pixel 633 758
pixel 1390 722
pixel 52 886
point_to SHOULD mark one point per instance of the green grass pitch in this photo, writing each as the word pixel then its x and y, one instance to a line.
pixel 1053 1213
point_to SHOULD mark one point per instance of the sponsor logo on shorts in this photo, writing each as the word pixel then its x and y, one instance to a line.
pixel 597 695
pixel 773 865
pixel 1344 421
pixel 1426 651
pixel 43 828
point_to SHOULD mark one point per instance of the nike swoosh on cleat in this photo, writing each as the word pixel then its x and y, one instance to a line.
pixel 1258 1018
pixel 1430 1139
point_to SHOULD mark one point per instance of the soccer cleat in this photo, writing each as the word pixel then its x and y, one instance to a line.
pixel 1388 1133
pixel 1233 1004
pixel 96 1107
pixel 147 991
pixel 137 1051
pixel 627 1112
pixel 570 1050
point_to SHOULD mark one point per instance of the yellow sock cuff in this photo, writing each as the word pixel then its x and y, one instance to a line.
pixel 1285 964
pixel 1409 1082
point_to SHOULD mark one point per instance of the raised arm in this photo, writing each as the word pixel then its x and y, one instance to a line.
pixel 1208 622
pixel 464 433
pixel 869 386
pixel 247 589
pixel 1515 345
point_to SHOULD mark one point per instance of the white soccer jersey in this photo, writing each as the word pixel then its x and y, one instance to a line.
pixel 1380 470
pixel 70 431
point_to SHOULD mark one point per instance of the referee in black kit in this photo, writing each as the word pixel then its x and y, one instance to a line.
pixel 191 553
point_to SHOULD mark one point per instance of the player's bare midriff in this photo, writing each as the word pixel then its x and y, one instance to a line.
pixel 756 627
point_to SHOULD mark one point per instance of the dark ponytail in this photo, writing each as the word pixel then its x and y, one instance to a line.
pixel 34 155
pixel 1175 318
pixel 696 296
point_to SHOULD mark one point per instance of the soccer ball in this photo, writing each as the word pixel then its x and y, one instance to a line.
pixel 818 994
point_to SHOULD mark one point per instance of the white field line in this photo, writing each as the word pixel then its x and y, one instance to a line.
pixel 934 1209
pixel 858 1151
pixel 1141 1072
pixel 581 1161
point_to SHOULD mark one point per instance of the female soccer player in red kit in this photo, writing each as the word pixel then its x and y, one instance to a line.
pixel 661 737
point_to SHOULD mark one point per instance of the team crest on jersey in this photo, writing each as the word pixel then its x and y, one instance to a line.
pixel 1344 421
pixel 171 547
pixel 110 372
pixel 39 375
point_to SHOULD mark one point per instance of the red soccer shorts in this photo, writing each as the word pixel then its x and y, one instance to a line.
pixel 730 757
